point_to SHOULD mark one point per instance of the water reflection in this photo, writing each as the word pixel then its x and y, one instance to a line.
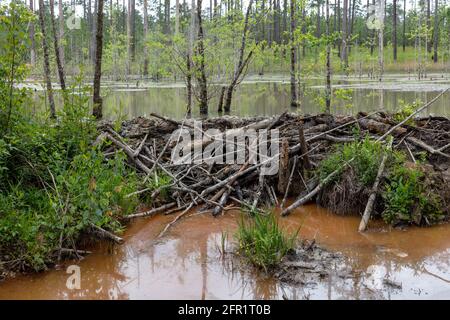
pixel 187 264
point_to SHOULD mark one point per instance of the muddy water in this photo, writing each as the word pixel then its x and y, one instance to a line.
pixel 187 264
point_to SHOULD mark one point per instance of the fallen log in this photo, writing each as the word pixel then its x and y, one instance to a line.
pixel 106 234
pixel 427 147
pixel 314 192
pixel 368 211
pixel 151 212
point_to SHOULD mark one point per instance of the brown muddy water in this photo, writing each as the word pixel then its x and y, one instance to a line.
pixel 187 263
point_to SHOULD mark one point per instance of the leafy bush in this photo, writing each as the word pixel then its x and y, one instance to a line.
pixel 366 155
pixel 262 241
pixel 406 197
pixel 406 110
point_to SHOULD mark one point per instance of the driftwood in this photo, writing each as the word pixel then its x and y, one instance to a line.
pixel 106 234
pixel 152 212
pixel 373 194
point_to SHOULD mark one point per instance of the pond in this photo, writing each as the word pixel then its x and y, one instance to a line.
pixel 270 95
pixel 187 263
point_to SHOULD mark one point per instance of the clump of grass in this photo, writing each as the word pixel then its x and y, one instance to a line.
pixel 262 241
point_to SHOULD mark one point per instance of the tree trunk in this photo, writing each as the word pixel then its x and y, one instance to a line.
pixel 166 16
pixel 94 32
pixel 32 38
pixel 200 51
pixel 97 99
pixel 47 73
pixel 145 37
pixel 428 25
pixel 394 31
pixel 328 76
pixel 62 80
pixel 381 44
pixel 61 32
pixel 344 50
pixel 436 31
pixel 404 25
pixel 242 63
pixel 294 87
pixel 177 17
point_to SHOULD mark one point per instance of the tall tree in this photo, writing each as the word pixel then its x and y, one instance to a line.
pixel 436 31
pixel 328 61
pixel 242 62
pixel 177 16
pixel 32 38
pixel 61 31
pixel 146 36
pixel 47 73
pixel 428 40
pixel 97 99
pixel 394 27
pixel 404 25
pixel 59 64
pixel 344 49
pixel 294 85
pixel 201 72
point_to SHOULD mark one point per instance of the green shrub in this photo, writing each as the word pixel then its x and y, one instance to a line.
pixel 406 197
pixel 366 155
pixel 262 241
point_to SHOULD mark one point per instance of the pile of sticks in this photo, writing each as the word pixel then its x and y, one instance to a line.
pixel 304 141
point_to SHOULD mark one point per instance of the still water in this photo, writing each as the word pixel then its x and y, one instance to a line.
pixel 270 95
pixel 187 263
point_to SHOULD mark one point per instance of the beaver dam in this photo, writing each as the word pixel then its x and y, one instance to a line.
pixel 378 170
pixel 376 165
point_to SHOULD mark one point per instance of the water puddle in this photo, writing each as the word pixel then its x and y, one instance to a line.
pixel 187 264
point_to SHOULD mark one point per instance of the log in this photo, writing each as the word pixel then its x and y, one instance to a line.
pixel 106 234
pixel 426 147
pixel 315 191
pixel 283 171
pixel 369 206
pixel 413 114
pixel 289 182
pixel 223 201
pixel 151 212
pixel 380 127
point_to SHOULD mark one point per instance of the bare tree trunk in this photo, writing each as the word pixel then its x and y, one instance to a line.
pixel 32 38
pixel 436 31
pixel 47 73
pixel 200 51
pixel 294 87
pixel 242 63
pixel 97 99
pixel 129 37
pixel 189 55
pixel 428 25
pixel 166 16
pixel 94 32
pixel 344 50
pixel 381 44
pixel 394 27
pixel 145 37
pixel 328 77
pixel 404 25
pixel 61 32
pixel 62 81
pixel 177 16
